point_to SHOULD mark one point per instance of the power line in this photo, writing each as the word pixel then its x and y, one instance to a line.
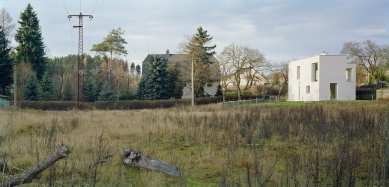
pixel 65 7
pixel 94 7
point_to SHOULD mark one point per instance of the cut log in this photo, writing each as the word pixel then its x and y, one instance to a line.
pixel 32 172
pixel 135 159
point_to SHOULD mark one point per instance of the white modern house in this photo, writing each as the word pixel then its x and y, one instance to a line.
pixel 321 77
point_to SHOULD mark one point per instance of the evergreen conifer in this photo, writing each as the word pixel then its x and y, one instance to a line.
pixel 31 92
pixel 107 94
pixel 5 62
pixel 31 47
pixel 47 88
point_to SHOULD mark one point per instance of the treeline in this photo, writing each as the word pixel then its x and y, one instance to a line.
pixel 60 81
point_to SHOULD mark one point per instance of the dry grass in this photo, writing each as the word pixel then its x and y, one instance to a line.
pixel 213 145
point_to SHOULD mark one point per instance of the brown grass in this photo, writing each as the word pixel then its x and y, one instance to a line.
pixel 213 145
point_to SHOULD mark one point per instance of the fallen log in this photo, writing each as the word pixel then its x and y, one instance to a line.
pixel 135 159
pixel 32 172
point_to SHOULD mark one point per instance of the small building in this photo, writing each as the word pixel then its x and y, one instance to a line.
pixel 321 77
pixel 4 100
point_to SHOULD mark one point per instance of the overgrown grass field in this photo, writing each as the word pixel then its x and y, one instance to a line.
pixel 311 144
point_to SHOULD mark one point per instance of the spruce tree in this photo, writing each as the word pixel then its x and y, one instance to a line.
pixel 219 91
pixel 175 81
pixel 31 47
pixel 89 92
pixel 107 94
pixel 157 84
pixel 132 70
pixel 98 90
pixel 137 69
pixel 141 88
pixel 5 62
pixel 47 88
pixel 67 93
pixel 31 92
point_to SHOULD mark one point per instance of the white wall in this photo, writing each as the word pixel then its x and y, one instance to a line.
pixel 331 69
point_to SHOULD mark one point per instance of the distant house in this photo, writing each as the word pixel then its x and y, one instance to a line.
pixel 321 77
pixel 183 60
pixel 4 100
pixel 248 76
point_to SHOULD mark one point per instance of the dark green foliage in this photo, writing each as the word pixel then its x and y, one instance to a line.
pixel 106 93
pixel 137 68
pixel 129 96
pixel 219 91
pixel 67 93
pixel 201 53
pixel 5 62
pixel 175 82
pixel 29 36
pixel 31 92
pixel 89 92
pixel 141 88
pixel 156 85
pixel 132 68
pixel 98 89
pixel 47 89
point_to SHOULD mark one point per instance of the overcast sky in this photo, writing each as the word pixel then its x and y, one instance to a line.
pixel 280 29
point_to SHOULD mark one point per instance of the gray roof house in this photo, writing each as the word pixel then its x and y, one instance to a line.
pixel 184 62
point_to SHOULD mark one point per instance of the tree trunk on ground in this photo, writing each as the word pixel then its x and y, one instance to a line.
pixel 31 173
pixel 135 159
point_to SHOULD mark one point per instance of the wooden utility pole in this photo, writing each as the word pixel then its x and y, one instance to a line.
pixel 80 85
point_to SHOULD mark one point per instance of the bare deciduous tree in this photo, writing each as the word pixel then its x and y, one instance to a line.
pixel 6 24
pixel 239 62
pixel 371 56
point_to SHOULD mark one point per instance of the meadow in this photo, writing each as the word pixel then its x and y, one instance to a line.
pixel 299 144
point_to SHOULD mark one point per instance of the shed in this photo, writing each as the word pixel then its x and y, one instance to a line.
pixel 4 100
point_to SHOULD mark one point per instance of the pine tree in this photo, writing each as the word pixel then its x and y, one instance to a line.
pixel 98 90
pixel 107 94
pixel 89 92
pixel 29 36
pixel 31 92
pixel 141 88
pixel 67 93
pixel 219 91
pixel 156 86
pixel 201 53
pixel 5 62
pixel 47 88
pixel 175 81
pixel 132 70
pixel 137 69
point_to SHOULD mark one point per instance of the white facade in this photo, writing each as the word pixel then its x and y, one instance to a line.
pixel 245 78
pixel 321 77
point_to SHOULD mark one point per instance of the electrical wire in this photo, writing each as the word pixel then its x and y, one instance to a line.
pixel 65 7
pixel 90 26
pixel 94 7
pixel 71 35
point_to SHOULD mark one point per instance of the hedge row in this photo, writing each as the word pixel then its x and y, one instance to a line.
pixel 126 104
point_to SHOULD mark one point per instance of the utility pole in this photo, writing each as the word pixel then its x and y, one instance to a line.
pixel 80 84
